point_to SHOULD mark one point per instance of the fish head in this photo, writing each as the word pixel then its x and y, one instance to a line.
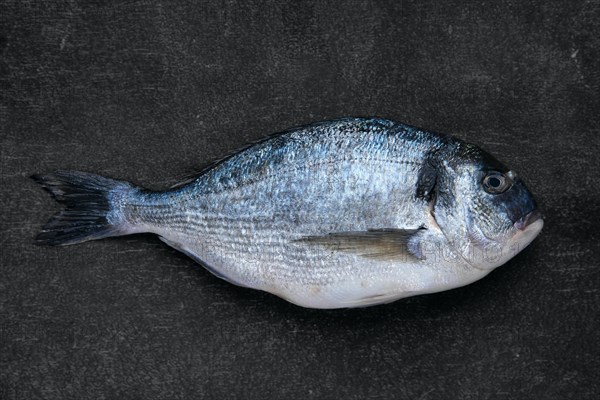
pixel 484 209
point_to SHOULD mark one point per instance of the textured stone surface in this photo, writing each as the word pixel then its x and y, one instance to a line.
pixel 149 91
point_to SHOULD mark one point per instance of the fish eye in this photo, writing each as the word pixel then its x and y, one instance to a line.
pixel 495 183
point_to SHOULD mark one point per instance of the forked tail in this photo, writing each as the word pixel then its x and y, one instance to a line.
pixel 92 207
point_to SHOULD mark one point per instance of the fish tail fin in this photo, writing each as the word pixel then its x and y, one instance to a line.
pixel 91 210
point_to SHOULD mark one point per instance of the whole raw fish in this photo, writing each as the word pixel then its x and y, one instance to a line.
pixel 344 213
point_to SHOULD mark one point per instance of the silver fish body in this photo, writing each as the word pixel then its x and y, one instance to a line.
pixel 345 213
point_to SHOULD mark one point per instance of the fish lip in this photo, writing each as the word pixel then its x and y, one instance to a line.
pixel 528 219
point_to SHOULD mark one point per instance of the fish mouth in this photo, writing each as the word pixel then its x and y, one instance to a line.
pixel 527 219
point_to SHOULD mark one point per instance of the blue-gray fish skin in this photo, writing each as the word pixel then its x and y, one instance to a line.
pixel 344 213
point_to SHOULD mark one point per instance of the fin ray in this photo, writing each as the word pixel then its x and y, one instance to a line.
pixel 180 247
pixel 380 244
pixel 87 201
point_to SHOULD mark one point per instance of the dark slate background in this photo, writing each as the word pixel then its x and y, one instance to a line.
pixel 149 91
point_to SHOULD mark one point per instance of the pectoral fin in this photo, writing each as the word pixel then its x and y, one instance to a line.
pixel 380 244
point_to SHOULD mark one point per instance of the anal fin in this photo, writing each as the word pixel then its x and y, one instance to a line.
pixel 195 257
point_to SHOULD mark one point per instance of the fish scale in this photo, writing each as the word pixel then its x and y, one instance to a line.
pixel 293 260
pixel 345 213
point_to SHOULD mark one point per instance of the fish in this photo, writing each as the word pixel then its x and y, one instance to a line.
pixel 346 213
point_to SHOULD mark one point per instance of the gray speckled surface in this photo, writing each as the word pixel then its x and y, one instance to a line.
pixel 149 91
